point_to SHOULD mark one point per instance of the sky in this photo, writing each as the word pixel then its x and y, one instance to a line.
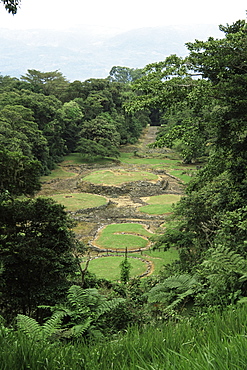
pixel 121 15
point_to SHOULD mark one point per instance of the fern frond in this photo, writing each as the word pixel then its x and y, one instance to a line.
pixel 224 259
pixel 180 282
pixel 79 297
pixel 52 325
pixel 29 327
pixel 108 306
pixel 181 297
pixel 77 331
pixel 175 288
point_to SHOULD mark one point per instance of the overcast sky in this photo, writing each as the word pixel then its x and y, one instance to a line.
pixel 124 15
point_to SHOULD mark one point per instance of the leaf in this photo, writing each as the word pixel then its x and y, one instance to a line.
pixel 52 325
pixel 29 327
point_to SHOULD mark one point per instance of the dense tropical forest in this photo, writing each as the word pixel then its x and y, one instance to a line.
pixel 193 313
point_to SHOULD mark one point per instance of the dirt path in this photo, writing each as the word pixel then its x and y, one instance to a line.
pixel 149 136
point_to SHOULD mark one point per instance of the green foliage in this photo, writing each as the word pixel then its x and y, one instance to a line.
pixel 50 83
pixel 223 274
pixel 124 74
pixel 71 116
pixel 172 293
pixel 125 267
pixel 99 138
pixel 33 330
pixel 36 235
pixel 83 312
pixel 211 340
pixel 19 174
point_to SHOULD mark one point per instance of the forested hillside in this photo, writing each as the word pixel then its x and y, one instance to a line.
pixel 44 117
pixel 192 314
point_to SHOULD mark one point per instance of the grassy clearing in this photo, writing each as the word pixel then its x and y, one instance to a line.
pixel 121 236
pixel 130 158
pixel 118 177
pixel 77 158
pixel 172 165
pixel 116 241
pixel 160 204
pixel 109 267
pixel 76 201
pixel 128 228
pixel 159 258
pixel 58 172
pixel 181 175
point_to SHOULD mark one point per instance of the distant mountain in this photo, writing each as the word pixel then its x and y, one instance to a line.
pixel 86 52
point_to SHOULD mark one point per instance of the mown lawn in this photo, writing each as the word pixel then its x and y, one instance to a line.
pixel 76 201
pixel 160 258
pixel 128 228
pixel 58 172
pixel 130 158
pixel 182 175
pixel 118 177
pixel 121 236
pixel 108 267
pixel 118 241
pixel 160 204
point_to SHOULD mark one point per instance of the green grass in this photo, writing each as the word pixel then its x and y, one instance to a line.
pixel 58 172
pixel 160 204
pixel 210 341
pixel 118 177
pixel 109 267
pixel 121 236
pixel 128 228
pixel 112 241
pixel 181 175
pixel 76 201
pixel 77 158
pixel 129 158
pixel 159 258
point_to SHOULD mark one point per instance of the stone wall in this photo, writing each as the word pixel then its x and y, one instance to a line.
pixel 133 189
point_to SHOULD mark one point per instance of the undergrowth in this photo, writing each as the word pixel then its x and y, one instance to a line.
pixel 210 340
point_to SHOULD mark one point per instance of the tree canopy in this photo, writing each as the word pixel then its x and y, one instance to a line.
pixel 36 251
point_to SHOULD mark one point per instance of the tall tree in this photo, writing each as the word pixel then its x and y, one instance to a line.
pixel 50 83
pixel 99 137
pixel 124 74
pixel 19 174
pixel 36 252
